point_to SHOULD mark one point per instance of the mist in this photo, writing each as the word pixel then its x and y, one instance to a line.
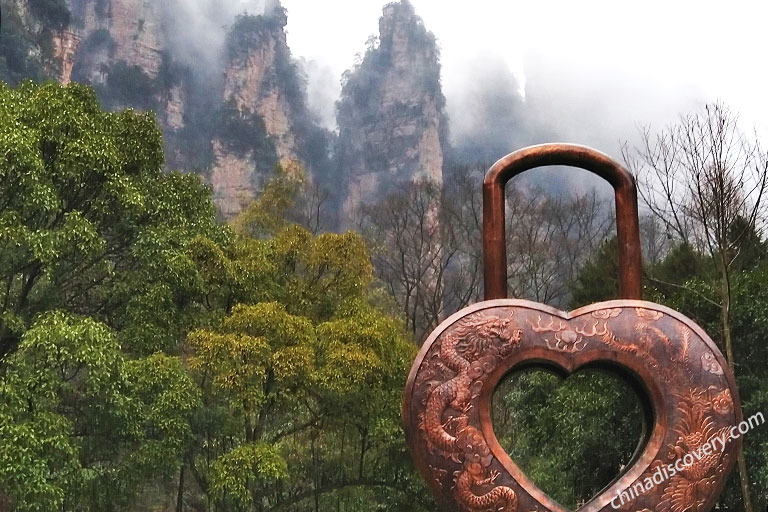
pixel 487 112
pixel 562 82
pixel 493 109
pixel 323 90
pixel 195 31
pixel 563 100
pixel 591 73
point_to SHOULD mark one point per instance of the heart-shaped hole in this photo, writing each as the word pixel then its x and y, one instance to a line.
pixel 571 435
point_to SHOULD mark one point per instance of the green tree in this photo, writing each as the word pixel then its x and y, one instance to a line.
pixel 681 280
pixel 706 181
pixel 103 271
pixel 691 296
pixel 598 279
pixel 301 382
pixel 571 437
pixel 81 426
pixel 89 223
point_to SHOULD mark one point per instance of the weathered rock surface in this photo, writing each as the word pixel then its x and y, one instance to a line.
pixel 391 115
pixel 258 80
pixel 247 110
pixel 128 31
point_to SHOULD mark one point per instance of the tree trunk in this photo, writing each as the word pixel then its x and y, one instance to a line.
pixel 725 310
pixel 180 496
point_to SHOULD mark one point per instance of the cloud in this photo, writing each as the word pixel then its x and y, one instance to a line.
pixel 565 100
pixel 323 89
pixel 196 29
pixel 486 112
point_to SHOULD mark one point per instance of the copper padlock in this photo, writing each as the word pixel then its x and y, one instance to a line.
pixel 688 390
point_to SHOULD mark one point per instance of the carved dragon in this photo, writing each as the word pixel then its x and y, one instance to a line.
pixel 470 350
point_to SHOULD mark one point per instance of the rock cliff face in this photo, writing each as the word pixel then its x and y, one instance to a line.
pixel 64 48
pixel 257 80
pixel 136 28
pixel 31 31
pixel 234 105
pixel 231 117
pixel 391 114
pixel 128 31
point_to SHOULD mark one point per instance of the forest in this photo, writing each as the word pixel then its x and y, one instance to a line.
pixel 153 358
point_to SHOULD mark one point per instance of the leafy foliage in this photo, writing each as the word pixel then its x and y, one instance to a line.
pixel 53 14
pixel 71 402
pixel 598 279
pixel 90 223
pixel 571 437
pixel 302 364
pixel 244 131
pixel 682 281
pixel 129 85
pixel 97 248
pixel 148 348
pixel 248 30
pixel 247 367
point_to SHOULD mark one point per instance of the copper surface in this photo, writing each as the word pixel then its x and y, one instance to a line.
pixel 627 224
pixel 686 388
pixel 688 393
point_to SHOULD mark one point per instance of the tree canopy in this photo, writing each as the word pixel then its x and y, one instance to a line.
pixel 152 357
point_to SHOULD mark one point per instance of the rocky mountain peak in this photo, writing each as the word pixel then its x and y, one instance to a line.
pixel 391 114
pixel 265 87
pixel 232 100
pixel 402 31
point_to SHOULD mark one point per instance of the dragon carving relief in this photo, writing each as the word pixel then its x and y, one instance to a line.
pixel 470 350
pixel 456 367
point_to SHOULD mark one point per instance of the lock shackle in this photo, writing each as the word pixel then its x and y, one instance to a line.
pixel 627 223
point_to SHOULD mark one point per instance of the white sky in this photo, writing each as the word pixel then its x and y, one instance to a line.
pixel 625 63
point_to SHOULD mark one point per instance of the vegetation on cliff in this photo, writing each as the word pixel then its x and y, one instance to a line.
pixel 286 80
pixel 26 47
pixel 391 113
pixel 152 358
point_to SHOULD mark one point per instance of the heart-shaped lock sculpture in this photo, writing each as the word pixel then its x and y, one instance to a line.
pixel 688 392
